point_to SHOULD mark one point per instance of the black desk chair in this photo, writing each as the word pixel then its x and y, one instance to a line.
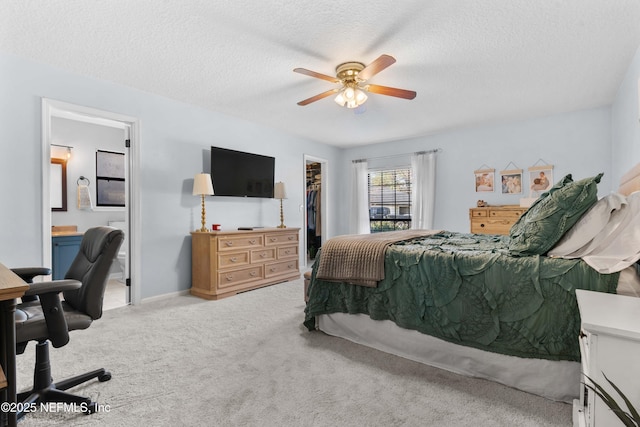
pixel 48 319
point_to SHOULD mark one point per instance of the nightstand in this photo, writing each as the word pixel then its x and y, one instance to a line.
pixel 609 343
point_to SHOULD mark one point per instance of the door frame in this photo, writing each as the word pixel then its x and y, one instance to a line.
pixel 324 208
pixel 53 108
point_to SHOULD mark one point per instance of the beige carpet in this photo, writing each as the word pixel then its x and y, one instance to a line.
pixel 248 361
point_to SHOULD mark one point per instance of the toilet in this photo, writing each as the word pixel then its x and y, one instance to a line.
pixel 122 255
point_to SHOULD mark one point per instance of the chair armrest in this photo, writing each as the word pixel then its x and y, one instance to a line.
pixel 49 295
pixel 54 286
pixel 28 273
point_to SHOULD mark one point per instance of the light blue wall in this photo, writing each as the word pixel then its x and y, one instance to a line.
pixel 175 141
pixel 625 121
pixel 577 143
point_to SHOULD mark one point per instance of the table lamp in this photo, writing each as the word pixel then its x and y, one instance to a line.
pixel 279 192
pixel 202 186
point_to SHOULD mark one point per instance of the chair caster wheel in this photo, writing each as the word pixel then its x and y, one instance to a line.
pixel 104 377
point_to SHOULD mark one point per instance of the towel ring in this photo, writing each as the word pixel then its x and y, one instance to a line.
pixel 82 178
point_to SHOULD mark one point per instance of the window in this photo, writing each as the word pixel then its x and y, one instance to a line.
pixel 110 188
pixel 390 199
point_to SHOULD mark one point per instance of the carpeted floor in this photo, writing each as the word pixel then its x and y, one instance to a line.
pixel 248 361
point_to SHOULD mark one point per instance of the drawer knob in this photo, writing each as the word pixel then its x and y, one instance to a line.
pixel 263 255
pixel 272 269
pixel 229 277
pixel 233 259
pixel 228 243
pixel 253 273
pixel 290 266
pixel 481 225
pixel 288 251
pixel 274 239
pixel 252 241
pixel 290 237
pixel 582 334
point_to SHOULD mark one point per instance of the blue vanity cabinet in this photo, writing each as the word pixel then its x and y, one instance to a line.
pixel 64 249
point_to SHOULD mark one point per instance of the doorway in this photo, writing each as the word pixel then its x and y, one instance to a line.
pixel 315 206
pixel 123 286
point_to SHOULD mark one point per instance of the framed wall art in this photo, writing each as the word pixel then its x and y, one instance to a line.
pixel 540 179
pixel 511 180
pixel 484 180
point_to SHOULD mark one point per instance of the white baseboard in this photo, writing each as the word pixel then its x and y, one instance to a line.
pixel 164 296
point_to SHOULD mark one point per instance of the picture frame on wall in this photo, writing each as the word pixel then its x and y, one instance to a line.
pixel 540 179
pixel 511 181
pixel 484 180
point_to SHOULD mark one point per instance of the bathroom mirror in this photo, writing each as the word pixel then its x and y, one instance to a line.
pixel 58 182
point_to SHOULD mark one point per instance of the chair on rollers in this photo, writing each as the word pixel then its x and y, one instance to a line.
pixel 44 317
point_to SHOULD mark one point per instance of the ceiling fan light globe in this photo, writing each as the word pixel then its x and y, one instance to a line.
pixel 349 93
pixel 361 97
pixel 340 99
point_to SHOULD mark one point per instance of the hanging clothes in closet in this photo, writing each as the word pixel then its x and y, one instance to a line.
pixel 314 212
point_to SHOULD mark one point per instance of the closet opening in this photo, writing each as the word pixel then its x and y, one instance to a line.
pixel 315 207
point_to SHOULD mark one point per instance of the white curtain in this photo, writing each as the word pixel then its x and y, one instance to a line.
pixel 423 192
pixel 359 198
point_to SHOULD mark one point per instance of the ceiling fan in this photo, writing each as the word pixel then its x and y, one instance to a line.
pixel 352 76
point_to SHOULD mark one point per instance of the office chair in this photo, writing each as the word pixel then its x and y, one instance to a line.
pixel 48 319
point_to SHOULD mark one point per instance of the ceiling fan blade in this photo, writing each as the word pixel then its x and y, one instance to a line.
pixel 375 67
pixel 316 75
pixel 318 97
pixel 391 91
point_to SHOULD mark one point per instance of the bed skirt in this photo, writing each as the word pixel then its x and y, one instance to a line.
pixel 555 380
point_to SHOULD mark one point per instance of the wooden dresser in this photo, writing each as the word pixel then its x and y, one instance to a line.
pixel 224 263
pixel 494 219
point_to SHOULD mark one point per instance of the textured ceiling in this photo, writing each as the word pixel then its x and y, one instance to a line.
pixel 471 62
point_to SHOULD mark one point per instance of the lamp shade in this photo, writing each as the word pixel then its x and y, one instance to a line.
pixel 279 192
pixel 202 185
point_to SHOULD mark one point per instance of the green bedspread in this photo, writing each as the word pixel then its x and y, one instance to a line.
pixel 466 289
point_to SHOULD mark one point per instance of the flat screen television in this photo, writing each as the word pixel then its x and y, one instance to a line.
pixel 240 174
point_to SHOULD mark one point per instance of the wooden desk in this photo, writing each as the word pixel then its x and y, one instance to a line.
pixel 11 287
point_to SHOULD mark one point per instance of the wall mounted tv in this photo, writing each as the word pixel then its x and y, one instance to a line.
pixel 240 174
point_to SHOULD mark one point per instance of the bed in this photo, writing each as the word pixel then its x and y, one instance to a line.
pixel 501 308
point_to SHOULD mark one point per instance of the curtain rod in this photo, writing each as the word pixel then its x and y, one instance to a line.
pixel 435 150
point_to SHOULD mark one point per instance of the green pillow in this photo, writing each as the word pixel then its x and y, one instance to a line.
pixel 552 215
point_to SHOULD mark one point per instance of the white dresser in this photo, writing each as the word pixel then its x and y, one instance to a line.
pixel 609 343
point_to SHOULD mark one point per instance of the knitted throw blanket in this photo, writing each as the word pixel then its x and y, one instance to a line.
pixel 359 258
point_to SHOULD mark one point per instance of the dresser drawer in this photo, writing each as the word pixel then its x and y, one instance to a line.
pixel 230 243
pixel 511 214
pixel 283 267
pixel 489 226
pixel 281 238
pixel 233 259
pixel 478 213
pixel 288 252
pixel 263 255
pixel 236 277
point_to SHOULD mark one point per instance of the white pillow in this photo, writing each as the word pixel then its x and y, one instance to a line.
pixel 629 282
pixel 588 227
pixel 620 247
